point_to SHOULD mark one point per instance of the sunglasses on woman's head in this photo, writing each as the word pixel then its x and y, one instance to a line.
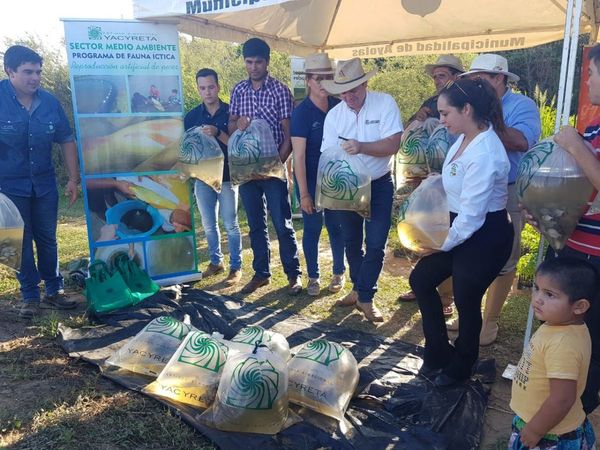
pixel 451 83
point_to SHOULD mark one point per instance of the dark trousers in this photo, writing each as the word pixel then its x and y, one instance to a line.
pixel 366 264
pixel 589 398
pixel 271 194
pixel 40 216
pixel 473 265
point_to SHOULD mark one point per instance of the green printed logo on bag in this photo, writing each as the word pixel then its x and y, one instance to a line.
pixel 437 148
pixel 202 351
pixel 321 351
pixel 250 335
pixel 169 326
pixel 531 162
pixel 244 150
pixel 339 181
pixel 413 147
pixel 254 385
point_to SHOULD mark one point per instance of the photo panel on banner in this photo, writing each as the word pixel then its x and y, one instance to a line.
pixel 128 108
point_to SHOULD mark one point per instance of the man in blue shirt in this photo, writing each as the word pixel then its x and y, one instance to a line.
pixel 523 129
pixel 213 115
pixel 31 120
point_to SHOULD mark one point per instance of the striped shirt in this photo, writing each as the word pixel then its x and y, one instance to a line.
pixel 273 102
pixel 586 237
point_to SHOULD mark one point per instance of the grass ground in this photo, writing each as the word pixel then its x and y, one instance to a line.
pixel 49 401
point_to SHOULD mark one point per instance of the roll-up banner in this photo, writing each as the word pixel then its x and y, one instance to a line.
pixel 128 111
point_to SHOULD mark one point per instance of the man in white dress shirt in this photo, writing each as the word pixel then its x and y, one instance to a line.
pixel 523 127
pixel 366 124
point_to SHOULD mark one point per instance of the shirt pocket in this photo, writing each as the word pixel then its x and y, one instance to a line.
pixel 13 133
pixel 42 130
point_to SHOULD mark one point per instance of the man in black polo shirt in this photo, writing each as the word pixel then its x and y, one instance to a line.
pixel 213 115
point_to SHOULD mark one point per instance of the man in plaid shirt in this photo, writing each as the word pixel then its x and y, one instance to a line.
pixel 264 97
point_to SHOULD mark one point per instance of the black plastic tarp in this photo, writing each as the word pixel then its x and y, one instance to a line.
pixel 392 408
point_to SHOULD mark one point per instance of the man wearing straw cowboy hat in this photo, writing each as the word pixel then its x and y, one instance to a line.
pixel 366 124
pixel 523 128
pixel 446 68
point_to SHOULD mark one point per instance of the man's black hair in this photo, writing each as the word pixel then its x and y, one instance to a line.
pixel 594 56
pixel 575 277
pixel 206 72
pixel 16 55
pixel 256 47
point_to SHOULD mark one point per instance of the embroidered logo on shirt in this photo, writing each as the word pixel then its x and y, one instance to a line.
pixel 453 169
pixel 371 122
pixel 316 124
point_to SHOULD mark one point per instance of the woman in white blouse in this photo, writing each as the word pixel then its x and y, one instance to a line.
pixel 475 177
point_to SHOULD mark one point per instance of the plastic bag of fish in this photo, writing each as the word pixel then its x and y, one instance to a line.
pixel 11 234
pixel 554 189
pixel 343 182
pixel 253 394
pixel 201 157
pixel 149 351
pixel 253 154
pixel 424 220
pixel 192 374
pixel 323 376
pixel 411 158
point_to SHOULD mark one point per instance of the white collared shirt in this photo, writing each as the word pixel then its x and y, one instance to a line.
pixel 378 119
pixel 475 183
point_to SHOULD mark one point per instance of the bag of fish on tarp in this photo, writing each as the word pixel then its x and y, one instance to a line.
pixel 554 189
pixel 253 154
pixel 149 351
pixel 193 373
pixel 253 393
pixel 200 157
pixel 323 377
pixel 11 234
pixel 424 218
pixel 439 142
pixel 343 182
pixel 247 337
pixel 411 159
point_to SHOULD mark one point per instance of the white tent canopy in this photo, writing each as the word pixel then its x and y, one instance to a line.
pixel 375 28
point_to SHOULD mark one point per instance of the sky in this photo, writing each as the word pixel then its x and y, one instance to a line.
pixel 42 17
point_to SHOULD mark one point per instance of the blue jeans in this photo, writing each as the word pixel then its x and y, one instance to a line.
pixel 366 265
pixel 272 194
pixel 40 215
pixel 313 224
pixel 226 202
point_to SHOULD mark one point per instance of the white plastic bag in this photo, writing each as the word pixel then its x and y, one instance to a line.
pixel 200 157
pixel 424 220
pixel 412 156
pixel 253 394
pixel 253 154
pixel 323 377
pixel 149 351
pixel 11 234
pixel 438 145
pixel 554 189
pixel 192 374
pixel 343 182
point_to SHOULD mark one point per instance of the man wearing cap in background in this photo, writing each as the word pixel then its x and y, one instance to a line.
pixel 523 129
pixel 366 124
pixel 263 97
pixel 446 68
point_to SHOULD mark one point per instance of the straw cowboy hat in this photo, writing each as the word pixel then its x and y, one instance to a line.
pixel 318 64
pixel 491 63
pixel 348 75
pixel 445 61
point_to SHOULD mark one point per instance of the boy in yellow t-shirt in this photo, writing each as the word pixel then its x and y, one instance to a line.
pixel 552 372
